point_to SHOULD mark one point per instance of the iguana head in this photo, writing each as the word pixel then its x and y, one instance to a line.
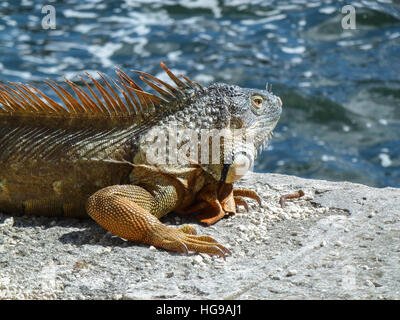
pixel 244 119
pixel 218 128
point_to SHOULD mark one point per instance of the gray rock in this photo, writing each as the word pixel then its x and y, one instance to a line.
pixel 341 239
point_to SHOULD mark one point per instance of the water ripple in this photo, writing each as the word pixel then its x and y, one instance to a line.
pixel 340 87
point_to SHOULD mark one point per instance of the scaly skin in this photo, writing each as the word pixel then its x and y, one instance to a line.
pixel 94 155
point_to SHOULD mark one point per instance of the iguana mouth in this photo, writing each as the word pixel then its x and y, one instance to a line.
pixel 263 134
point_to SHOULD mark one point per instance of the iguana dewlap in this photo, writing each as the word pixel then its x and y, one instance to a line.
pixel 127 157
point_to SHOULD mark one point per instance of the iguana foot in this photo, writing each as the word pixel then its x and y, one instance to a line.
pixel 215 201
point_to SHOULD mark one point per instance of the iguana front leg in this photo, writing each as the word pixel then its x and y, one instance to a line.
pixel 131 212
pixel 215 201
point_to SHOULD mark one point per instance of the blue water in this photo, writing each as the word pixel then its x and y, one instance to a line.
pixel 340 88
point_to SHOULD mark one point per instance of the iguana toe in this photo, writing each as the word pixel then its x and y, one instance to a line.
pixel 177 240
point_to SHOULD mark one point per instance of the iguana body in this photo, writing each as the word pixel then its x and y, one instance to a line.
pixel 95 154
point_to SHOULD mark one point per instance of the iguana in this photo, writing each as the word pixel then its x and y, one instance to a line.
pixel 127 157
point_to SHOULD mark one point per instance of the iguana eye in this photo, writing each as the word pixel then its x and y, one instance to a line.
pixel 257 102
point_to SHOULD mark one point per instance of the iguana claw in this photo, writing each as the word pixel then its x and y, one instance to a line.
pixel 177 240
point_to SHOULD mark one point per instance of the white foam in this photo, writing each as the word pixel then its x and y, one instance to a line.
pixel 328 10
pixel 385 160
pixel 68 13
pixel 251 22
pixel 19 74
pixel 174 55
pixel 208 4
pixel 295 50
pixel 345 128
pixel 307 74
pixel 104 52
pixel 84 28
pixel 53 69
pixel 394 35
pixel 203 78
pixel 326 158
pixel 367 46
pixel 347 43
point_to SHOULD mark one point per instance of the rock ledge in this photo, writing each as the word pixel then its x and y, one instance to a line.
pixel 340 241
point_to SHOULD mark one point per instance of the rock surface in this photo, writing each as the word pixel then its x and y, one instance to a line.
pixel 340 241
